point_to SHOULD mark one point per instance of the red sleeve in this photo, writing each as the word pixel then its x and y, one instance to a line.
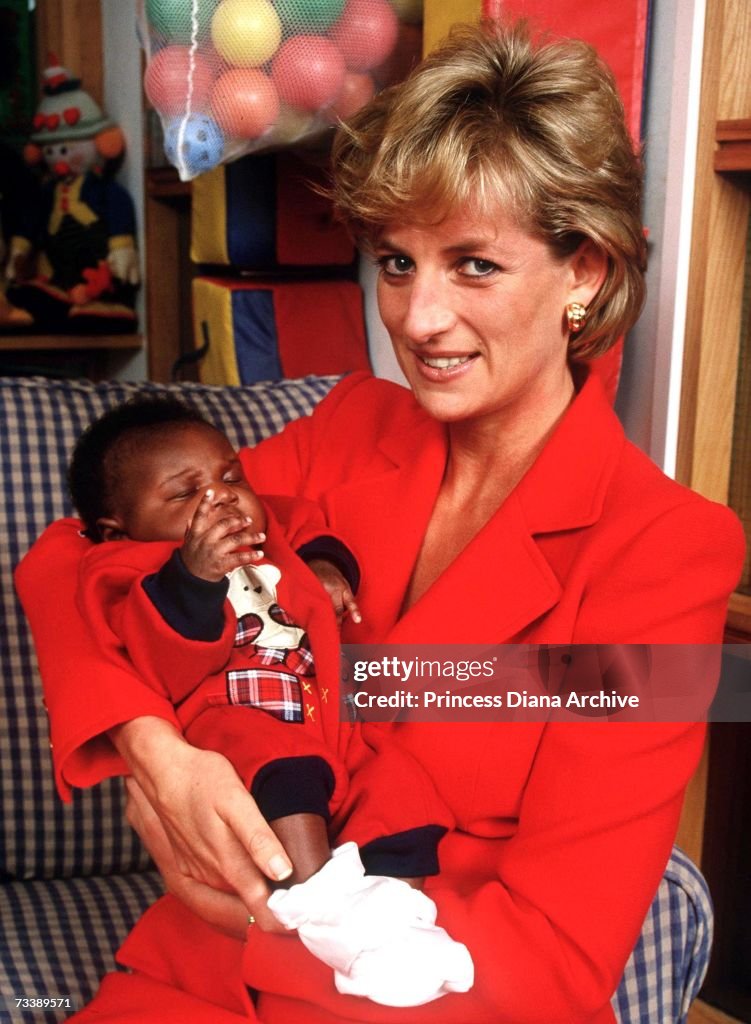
pixel 130 630
pixel 670 583
pixel 280 464
pixel 86 694
pixel 301 520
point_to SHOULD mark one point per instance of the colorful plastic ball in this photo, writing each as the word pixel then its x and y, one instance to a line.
pixel 173 19
pixel 308 72
pixel 167 77
pixel 308 15
pixel 194 144
pixel 245 103
pixel 366 33
pixel 355 92
pixel 246 33
pixel 408 10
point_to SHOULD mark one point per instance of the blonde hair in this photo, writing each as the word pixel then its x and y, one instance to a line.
pixel 493 115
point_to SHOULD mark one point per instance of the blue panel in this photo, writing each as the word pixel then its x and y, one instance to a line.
pixel 256 348
pixel 251 211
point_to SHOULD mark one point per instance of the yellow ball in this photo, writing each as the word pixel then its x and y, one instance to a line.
pixel 246 33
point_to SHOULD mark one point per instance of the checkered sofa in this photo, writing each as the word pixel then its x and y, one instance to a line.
pixel 73 879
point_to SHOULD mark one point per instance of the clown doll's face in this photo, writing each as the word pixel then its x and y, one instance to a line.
pixel 69 159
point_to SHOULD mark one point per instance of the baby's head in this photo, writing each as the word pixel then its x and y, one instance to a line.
pixel 142 468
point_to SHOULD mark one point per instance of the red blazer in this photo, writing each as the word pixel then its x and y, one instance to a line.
pixel 563 830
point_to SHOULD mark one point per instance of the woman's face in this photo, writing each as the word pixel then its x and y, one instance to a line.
pixel 475 307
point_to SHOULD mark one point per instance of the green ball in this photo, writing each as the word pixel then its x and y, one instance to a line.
pixel 308 15
pixel 173 19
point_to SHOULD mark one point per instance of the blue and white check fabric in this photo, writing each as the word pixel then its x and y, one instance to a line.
pixel 73 878
pixel 667 967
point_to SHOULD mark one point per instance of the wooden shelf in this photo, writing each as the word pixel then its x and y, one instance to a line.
pixel 164 183
pixel 733 153
pixel 68 342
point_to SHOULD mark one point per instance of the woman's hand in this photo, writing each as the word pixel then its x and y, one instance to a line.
pixel 338 589
pixel 223 910
pixel 216 833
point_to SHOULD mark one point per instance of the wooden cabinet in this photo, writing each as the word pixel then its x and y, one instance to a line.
pixel 713 458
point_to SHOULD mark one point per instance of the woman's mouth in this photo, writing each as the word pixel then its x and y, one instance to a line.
pixel 444 362
pixel 444 368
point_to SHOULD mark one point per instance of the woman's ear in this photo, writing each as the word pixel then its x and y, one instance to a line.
pixel 589 267
pixel 111 528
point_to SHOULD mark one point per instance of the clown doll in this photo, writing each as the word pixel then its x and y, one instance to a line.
pixel 82 235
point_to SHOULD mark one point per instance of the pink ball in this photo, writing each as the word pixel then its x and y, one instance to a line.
pixel 166 80
pixel 355 93
pixel 308 72
pixel 244 103
pixel 366 33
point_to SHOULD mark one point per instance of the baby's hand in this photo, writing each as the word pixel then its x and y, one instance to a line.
pixel 218 539
pixel 336 586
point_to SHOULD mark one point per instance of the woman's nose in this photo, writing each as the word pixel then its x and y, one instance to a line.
pixel 428 313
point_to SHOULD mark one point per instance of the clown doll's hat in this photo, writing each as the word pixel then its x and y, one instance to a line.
pixel 66 110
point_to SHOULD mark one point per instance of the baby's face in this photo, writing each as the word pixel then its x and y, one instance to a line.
pixel 164 481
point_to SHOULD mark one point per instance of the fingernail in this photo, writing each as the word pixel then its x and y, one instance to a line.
pixel 261 537
pixel 248 519
pixel 210 493
pixel 280 867
pixel 258 555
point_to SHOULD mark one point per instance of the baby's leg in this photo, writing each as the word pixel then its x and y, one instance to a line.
pixel 306 841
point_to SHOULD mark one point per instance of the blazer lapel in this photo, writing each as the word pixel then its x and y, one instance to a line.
pixel 386 513
pixel 498 585
pixel 502 582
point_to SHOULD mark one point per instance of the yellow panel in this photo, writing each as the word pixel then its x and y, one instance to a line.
pixel 213 303
pixel 209 218
pixel 440 15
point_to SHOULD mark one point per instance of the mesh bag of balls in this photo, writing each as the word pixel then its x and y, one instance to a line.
pixel 229 77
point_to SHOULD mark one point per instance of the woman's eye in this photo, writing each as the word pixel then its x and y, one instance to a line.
pixel 476 267
pixel 395 265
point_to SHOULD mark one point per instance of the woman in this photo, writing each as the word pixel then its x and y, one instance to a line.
pixel 497 502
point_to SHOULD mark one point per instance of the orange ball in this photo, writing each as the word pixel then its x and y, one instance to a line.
pixel 167 76
pixel 245 103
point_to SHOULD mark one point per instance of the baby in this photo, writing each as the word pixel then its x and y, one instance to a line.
pixel 244 643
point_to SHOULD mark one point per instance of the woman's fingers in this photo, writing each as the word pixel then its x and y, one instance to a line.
pixel 350 605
